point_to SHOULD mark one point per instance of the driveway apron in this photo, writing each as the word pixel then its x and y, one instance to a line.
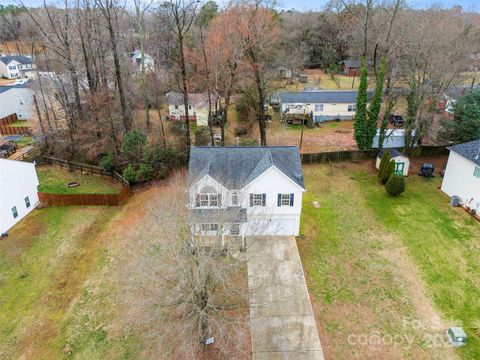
pixel 282 321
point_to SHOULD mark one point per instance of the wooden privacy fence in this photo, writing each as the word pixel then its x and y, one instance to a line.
pixel 7 120
pixel 6 129
pixel 15 130
pixel 358 155
pixel 84 199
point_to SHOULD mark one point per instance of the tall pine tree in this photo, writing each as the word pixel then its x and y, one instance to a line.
pixel 374 109
pixel 412 108
pixel 360 124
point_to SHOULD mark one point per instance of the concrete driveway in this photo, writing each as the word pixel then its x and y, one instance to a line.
pixel 282 321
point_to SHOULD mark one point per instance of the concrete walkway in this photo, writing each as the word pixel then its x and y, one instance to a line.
pixel 282 321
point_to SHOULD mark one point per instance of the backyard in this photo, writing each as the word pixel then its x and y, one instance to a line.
pixel 72 282
pixel 54 180
pixel 388 275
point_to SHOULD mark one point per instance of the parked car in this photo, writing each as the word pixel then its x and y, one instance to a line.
pixel 7 148
pixel 302 78
pixel 427 170
pixel 396 120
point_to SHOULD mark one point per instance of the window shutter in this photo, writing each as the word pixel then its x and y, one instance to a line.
pixel 291 199
pixel 197 200
pixel 251 200
pixel 279 202
pixel 219 200
pixel 264 199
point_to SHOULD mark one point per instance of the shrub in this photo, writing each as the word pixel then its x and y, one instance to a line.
pixel 387 171
pixel 241 130
pixel 132 146
pixel 248 142
pixel 130 174
pixel 159 160
pixel 202 136
pixel 179 128
pixel 395 185
pixel 145 173
pixel 107 163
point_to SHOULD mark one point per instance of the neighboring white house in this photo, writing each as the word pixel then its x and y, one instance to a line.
pixel 15 66
pixel 18 192
pixel 402 163
pixel 284 73
pixel 197 107
pixel 136 57
pixel 394 138
pixel 17 99
pixel 241 191
pixel 462 174
pixel 323 105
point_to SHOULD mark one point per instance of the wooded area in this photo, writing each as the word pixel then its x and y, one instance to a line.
pixel 93 102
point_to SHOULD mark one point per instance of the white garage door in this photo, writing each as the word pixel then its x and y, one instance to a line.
pixel 282 227
pixel 271 227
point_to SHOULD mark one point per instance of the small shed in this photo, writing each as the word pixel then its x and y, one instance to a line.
pixel 402 163
pixel 350 67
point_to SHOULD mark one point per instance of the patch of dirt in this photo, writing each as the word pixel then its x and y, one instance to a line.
pixel 329 136
pixel 429 320
pixel 439 162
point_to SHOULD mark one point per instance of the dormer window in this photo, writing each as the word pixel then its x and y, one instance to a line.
pixel 208 198
pixel 234 198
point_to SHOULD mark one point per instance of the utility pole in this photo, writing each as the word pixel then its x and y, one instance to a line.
pixel 303 126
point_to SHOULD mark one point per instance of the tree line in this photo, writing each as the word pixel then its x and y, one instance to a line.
pixel 89 96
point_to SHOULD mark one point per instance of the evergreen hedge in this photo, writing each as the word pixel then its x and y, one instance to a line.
pixel 384 161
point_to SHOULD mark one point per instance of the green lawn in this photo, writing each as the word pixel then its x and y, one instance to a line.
pixel 373 261
pixel 46 312
pixel 19 123
pixel 54 180
pixel 25 141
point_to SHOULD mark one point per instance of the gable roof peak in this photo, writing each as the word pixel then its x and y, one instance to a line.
pixel 236 167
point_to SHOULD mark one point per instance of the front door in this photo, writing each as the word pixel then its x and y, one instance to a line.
pixel 399 166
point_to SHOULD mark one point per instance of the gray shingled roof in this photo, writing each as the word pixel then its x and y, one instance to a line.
pixel 469 150
pixel 393 153
pixel 19 86
pixel 321 97
pixel 19 58
pixel 176 98
pixel 235 167
pixel 351 63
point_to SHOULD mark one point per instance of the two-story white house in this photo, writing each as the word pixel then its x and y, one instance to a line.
pixel 462 174
pixel 18 192
pixel 15 66
pixel 245 191
pixel 17 99
pixel 197 107
pixel 323 105
pixel 136 58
